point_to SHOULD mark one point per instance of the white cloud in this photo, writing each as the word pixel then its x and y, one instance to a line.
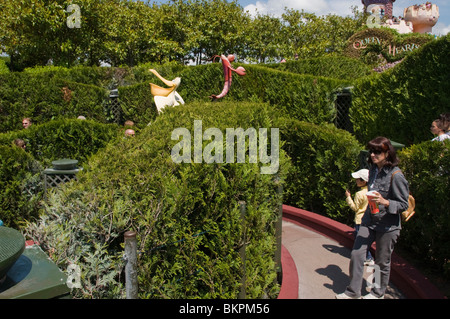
pixel 441 29
pixel 319 7
pixel 276 7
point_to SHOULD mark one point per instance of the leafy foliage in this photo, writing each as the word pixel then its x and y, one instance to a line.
pixel 64 138
pixel 322 159
pixel 43 98
pixel 402 102
pixel 187 216
pixel 337 67
pixel 124 32
pixel 19 184
pixel 426 167
pixel 305 97
pixel 306 35
pixel 22 171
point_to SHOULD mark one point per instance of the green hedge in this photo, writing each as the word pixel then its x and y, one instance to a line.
pixel 187 216
pixel 64 138
pixel 323 158
pixel 425 238
pixel 39 92
pixel 98 76
pixel 20 192
pixel 42 98
pixel 3 67
pixel 402 102
pixel 304 97
pixel 337 67
pixel 21 171
pixel 137 104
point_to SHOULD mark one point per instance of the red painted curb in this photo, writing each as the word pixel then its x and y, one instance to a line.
pixel 407 278
pixel 289 282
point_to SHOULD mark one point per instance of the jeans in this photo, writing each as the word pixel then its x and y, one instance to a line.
pixel 369 255
pixel 385 242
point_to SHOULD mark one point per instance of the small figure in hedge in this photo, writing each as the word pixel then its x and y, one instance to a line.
pixel 20 143
pixel 130 132
pixel 128 123
pixel 26 122
pixel 359 203
pixel 438 129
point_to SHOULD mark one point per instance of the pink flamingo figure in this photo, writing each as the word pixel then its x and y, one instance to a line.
pixel 227 72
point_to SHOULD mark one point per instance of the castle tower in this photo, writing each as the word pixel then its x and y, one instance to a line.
pixel 423 16
pixel 386 5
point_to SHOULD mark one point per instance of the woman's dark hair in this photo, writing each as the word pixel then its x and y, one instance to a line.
pixel 445 118
pixel 440 124
pixel 383 144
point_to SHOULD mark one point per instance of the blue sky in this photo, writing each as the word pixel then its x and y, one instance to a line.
pixel 342 7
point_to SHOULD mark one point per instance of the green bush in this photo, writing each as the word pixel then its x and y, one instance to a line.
pixel 44 98
pixel 323 158
pixel 402 102
pixel 46 93
pixel 187 216
pixel 3 67
pixel 21 171
pixel 338 67
pixel 64 138
pixel 137 104
pixel 106 77
pixel 98 76
pixel 19 186
pixel 305 97
pixel 427 168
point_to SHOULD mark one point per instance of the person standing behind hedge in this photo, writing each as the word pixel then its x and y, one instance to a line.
pixel 438 129
pixel 20 143
pixel 383 227
pixel 26 122
pixel 445 119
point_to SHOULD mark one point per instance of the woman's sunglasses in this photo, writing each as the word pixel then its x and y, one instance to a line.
pixel 376 152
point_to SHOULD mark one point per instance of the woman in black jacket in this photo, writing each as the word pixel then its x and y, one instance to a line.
pixel 383 224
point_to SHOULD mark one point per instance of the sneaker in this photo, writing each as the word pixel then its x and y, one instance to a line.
pixel 372 296
pixel 345 296
pixel 369 262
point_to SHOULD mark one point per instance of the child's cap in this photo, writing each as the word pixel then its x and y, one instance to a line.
pixel 362 173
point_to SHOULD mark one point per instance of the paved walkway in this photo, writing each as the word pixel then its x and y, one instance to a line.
pixel 322 264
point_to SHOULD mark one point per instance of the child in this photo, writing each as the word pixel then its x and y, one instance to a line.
pixel 359 204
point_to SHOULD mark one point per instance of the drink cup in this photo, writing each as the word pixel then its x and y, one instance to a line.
pixel 373 206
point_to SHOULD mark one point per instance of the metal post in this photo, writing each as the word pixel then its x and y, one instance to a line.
pixel 278 228
pixel 131 278
pixel 242 254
